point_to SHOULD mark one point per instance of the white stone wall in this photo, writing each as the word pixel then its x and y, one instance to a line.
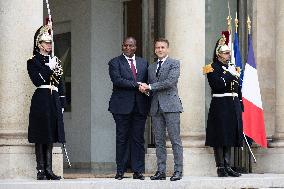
pixel 96 36
pixel 106 40
pixel 17 159
pixel 74 16
pixel 16 46
pixel 263 33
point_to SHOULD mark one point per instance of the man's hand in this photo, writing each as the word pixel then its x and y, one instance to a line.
pixel 144 88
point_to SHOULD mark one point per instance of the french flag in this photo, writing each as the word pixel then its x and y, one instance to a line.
pixel 253 119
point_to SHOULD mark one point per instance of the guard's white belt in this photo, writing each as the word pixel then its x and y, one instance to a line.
pixel 225 94
pixel 52 87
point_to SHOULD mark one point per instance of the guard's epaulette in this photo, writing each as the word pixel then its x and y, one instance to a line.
pixel 31 57
pixel 207 69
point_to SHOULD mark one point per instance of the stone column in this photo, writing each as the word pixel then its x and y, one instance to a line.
pixel 275 152
pixel 18 23
pixel 185 30
pixel 279 125
pixel 268 42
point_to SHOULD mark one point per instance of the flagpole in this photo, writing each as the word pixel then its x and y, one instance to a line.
pixel 50 24
pixel 249 25
pixel 254 159
pixel 230 43
pixel 236 22
pixel 229 18
pixel 238 60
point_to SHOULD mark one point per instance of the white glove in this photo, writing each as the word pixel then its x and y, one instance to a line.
pixel 232 69
pixel 52 62
pixel 62 110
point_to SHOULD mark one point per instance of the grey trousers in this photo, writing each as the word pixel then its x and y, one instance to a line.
pixel 170 122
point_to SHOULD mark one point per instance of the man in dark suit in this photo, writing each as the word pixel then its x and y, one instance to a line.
pixel 129 108
pixel 165 109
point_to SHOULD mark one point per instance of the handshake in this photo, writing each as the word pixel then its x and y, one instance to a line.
pixel 144 88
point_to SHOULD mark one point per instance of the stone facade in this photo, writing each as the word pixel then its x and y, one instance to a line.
pixel 100 39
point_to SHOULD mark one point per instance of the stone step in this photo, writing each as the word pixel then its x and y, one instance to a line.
pixel 250 181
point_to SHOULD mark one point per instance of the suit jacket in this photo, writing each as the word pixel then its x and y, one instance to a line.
pixel 125 92
pixel 164 89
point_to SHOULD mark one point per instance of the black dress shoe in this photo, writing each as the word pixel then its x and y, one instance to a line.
pixel 221 172
pixel 137 175
pixel 231 172
pixel 119 176
pixel 176 176
pixel 158 176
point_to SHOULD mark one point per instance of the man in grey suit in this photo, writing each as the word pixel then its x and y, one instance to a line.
pixel 165 108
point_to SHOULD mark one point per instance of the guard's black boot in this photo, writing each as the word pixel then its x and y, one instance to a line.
pixel 221 172
pixel 227 156
pixel 232 173
pixel 219 159
pixel 218 154
pixel 48 166
pixel 40 162
pixel 227 159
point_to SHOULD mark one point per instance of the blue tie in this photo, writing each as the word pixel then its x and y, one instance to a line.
pixel 159 67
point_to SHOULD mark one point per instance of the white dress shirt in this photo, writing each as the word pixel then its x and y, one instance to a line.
pixel 133 61
pixel 163 60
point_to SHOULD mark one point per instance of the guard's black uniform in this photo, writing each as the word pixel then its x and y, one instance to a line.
pixel 224 124
pixel 46 112
pixel 46 117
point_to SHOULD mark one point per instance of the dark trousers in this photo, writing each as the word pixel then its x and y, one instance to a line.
pixel 130 132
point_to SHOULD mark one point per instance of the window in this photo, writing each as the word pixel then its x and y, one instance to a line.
pixel 62 49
